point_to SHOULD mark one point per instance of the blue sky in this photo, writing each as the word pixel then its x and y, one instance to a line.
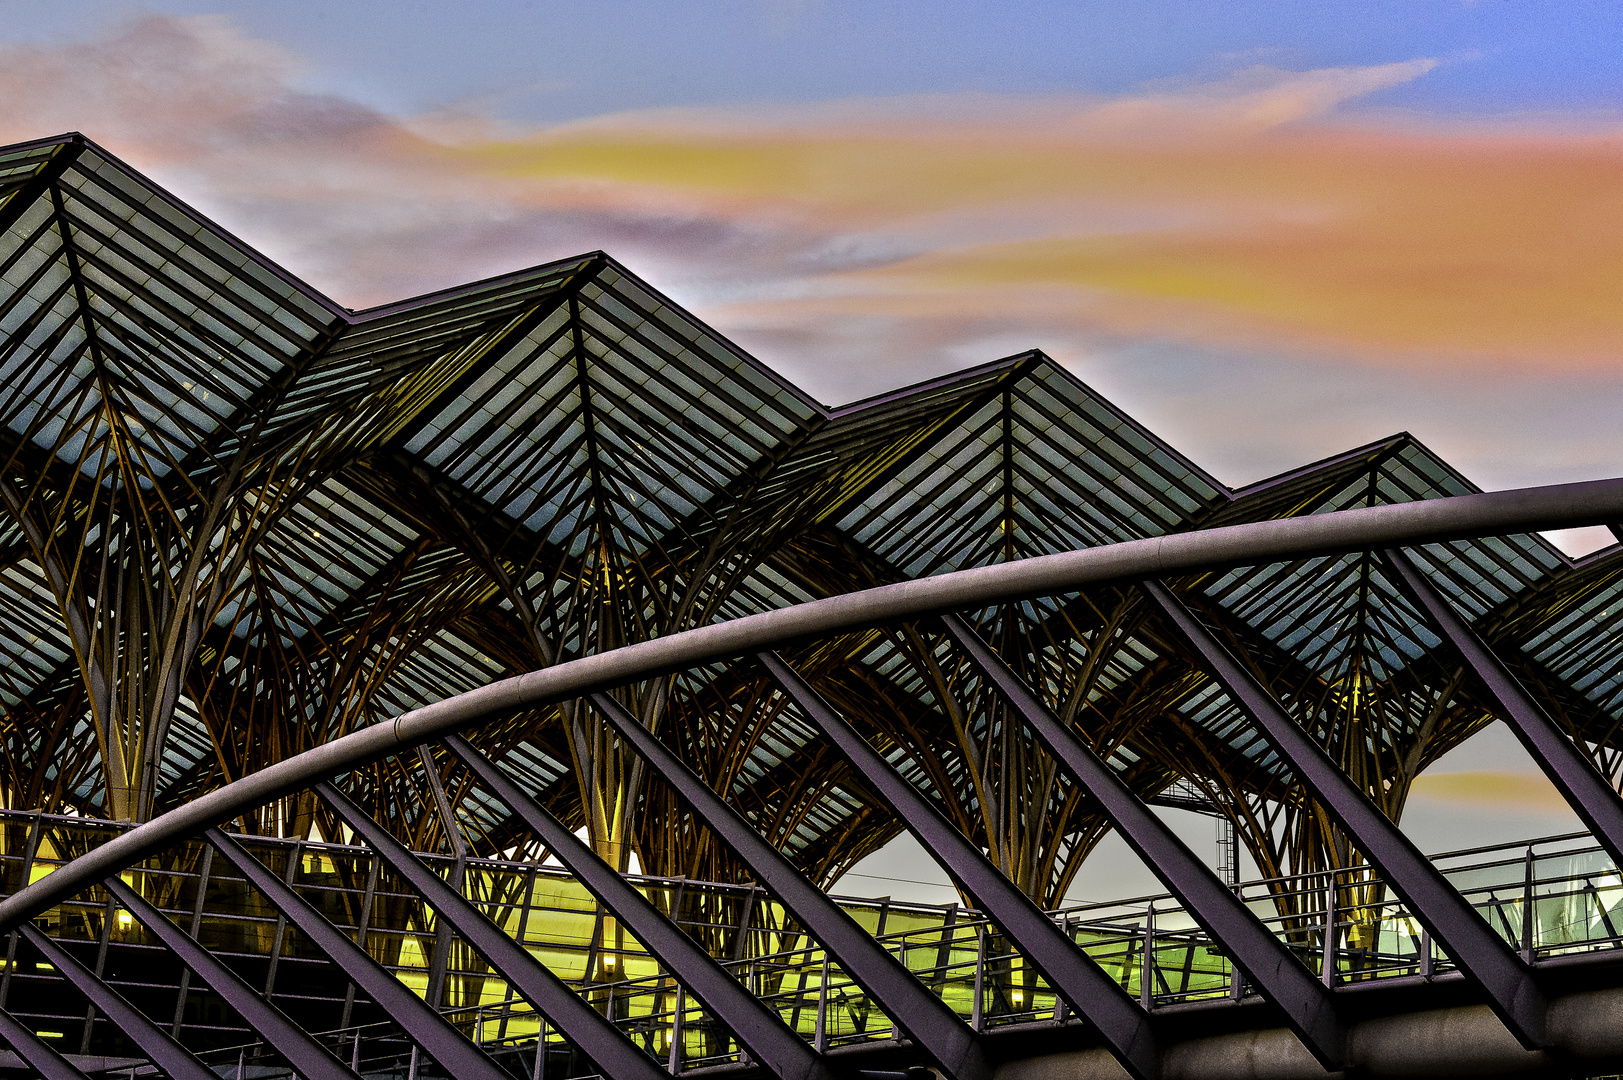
pixel 551 61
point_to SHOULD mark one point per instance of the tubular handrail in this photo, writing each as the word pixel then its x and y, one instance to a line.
pixel 1595 502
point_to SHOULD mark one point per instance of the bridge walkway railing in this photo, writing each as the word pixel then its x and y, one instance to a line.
pixel 1553 896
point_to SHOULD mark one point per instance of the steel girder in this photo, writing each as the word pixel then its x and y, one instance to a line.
pixel 1511 987
pixel 1509 983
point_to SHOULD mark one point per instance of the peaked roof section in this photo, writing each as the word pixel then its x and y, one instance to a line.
pixel 574 422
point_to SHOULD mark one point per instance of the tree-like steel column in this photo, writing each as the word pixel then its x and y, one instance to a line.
pixel 1095 995
pixel 1481 954
pixel 759 1028
pixel 444 1043
pixel 1573 774
pixel 595 1036
pixel 309 1058
pixel 926 1018
pixel 1308 1005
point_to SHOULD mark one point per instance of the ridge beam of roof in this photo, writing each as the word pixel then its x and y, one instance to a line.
pixel 1096 996
pixel 1308 1005
pixel 1481 954
pixel 1585 789
pixel 49 173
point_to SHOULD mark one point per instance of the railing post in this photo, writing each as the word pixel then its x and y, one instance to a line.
pixel 1236 976
pixel 1329 966
pixel 540 1070
pixel 1529 923
pixel 977 1010
pixel 1426 963
pixel 197 924
pixel 673 1056
pixel 820 1032
pixel 31 847
pixel 1061 1010
pixel 1146 964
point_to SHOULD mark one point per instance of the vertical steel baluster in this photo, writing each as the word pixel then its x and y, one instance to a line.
pixel 29 851
pixel 1146 964
pixel 674 1057
pixel 820 1032
pixel 1329 972
pixel 977 1011
pixel 1236 977
pixel 1529 924
pixel 197 924
pixel 1061 1010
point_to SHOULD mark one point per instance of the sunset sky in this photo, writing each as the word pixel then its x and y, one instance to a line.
pixel 1270 231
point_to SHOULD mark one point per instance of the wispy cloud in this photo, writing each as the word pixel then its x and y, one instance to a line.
pixel 1502 792
pixel 1226 229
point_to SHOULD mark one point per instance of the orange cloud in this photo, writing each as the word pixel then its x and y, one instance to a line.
pixel 1506 792
pixel 1217 219
pixel 1251 265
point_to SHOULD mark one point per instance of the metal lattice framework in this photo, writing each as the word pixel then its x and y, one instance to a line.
pixel 1549 1010
pixel 239 523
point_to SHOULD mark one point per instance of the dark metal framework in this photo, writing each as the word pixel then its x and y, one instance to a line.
pixel 1518 994
pixel 242 529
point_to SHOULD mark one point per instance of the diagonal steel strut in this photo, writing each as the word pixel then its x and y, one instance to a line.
pixel 1481 954
pixel 1308 1004
pixel 1095 995
pixel 925 1017
pixel 768 1039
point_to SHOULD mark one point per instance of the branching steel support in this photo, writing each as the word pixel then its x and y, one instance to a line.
pixel 1098 997
pixel 613 1052
pixel 925 1017
pixel 173 1058
pixel 309 1058
pixel 759 1028
pixel 425 1026
pixel 1573 774
pixel 1481 954
pixel 1308 1005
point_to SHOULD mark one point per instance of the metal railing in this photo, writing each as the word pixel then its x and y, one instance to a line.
pixel 1550 897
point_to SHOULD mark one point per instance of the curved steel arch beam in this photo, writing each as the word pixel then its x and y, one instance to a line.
pixel 1596 502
